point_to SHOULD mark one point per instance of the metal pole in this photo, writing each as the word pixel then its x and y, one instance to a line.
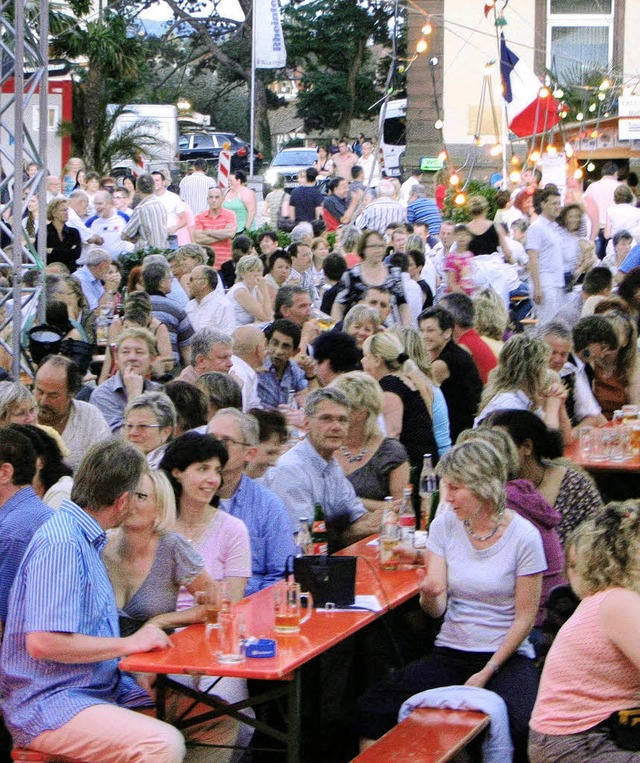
pixel 43 101
pixel 16 223
pixel 252 107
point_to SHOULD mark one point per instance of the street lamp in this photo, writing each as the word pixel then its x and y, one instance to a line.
pixel 183 104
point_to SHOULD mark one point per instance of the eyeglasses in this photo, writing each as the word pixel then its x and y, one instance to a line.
pixel 227 440
pixel 326 419
pixel 131 427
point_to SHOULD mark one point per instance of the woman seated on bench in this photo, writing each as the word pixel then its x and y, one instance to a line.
pixel 592 669
pixel 484 567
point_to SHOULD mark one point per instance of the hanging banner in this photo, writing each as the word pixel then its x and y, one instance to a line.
pixel 270 52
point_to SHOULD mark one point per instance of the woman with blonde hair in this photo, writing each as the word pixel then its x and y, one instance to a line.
pixel 361 322
pixel 483 573
pixel 487 235
pixel 376 466
pixel 406 414
pixel 17 404
pixel 250 295
pixel 490 318
pixel 63 242
pixel 148 562
pixel 431 393
pixel 520 382
pixel 592 670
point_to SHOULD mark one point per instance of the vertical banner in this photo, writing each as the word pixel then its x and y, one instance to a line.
pixel 270 52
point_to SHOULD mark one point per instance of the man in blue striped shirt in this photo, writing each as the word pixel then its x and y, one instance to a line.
pixel 63 692
pixel 21 511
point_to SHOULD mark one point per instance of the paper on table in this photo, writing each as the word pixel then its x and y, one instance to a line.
pixel 363 601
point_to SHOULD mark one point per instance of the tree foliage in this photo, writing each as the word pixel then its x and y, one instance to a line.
pixel 330 42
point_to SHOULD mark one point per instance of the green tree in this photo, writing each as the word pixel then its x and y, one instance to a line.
pixel 330 41
pixel 110 64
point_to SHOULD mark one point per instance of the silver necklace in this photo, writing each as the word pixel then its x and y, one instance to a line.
pixel 351 458
pixel 467 527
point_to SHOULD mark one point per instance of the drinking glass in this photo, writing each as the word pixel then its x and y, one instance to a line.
pixel 287 609
pixel 230 636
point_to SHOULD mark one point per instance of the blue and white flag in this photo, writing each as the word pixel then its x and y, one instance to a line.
pixel 270 51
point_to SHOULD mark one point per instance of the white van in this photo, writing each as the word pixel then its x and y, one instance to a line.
pixel 161 121
pixel 393 135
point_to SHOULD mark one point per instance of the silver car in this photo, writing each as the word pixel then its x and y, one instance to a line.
pixel 288 163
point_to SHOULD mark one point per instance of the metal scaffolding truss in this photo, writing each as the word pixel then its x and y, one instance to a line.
pixel 24 32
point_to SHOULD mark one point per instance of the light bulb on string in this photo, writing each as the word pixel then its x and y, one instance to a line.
pixel 496 150
pixel 427 29
pixel 595 134
pixel 601 96
pixel 460 199
pixel 534 157
pixel 454 179
pixel 563 114
pixel 552 150
pixel 515 160
pixel 442 156
pixel 479 142
pixel 579 116
pixel 515 176
pixel 605 84
pixel 422 46
pixel 558 92
pixel 591 167
pixel 438 124
pixel 568 149
pixel 593 107
pixel 578 174
pixel 544 92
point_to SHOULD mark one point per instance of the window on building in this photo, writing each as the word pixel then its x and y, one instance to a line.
pixel 579 38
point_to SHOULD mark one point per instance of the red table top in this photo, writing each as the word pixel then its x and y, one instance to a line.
pixel 628 465
pixel 194 650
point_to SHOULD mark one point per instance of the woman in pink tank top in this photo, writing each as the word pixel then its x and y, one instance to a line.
pixel 593 667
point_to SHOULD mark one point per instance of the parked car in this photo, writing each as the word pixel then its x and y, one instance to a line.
pixel 207 145
pixel 288 163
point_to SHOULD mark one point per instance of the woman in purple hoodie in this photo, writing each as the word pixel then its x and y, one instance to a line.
pixel 523 498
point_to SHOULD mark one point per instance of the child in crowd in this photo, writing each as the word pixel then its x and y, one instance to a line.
pixel 458 264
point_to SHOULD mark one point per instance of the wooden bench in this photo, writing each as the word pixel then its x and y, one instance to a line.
pixel 428 735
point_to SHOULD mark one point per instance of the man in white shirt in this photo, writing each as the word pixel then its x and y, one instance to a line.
pixel 601 192
pixel 108 225
pixel 405 189
pixel 77 211
pixel 195 187
pixel 176 213
pixel 546 268
pixel 208 308
pixel 249 347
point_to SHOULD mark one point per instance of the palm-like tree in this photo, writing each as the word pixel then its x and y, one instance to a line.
pixel 110 64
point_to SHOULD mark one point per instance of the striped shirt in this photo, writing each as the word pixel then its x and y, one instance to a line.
pixel 194 190
pixel 175 319
pixel 61 587
pixel 424 210
pixel 20 517
pixel 380 214
pixel 148 224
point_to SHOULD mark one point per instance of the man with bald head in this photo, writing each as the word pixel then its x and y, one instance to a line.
pixel 209 306
pixel 249 347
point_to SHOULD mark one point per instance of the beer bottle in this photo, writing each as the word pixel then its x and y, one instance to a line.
pixel 319 537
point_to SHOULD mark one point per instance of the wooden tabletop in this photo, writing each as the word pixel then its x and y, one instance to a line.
pixel 194 648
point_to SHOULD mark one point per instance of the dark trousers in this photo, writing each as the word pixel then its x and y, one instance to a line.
pixel 516 683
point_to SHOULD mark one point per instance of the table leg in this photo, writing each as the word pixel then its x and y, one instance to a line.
pixel 161 697
pixel 294 725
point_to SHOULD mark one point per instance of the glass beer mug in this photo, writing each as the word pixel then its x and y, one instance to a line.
pixel 287 609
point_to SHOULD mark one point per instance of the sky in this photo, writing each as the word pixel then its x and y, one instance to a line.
pixel 161 12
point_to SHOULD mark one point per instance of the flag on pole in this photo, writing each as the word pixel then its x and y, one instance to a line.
pixel 530 107
pixel 270 52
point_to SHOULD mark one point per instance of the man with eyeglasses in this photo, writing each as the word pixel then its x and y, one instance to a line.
pixel 309 474
pixel 263 512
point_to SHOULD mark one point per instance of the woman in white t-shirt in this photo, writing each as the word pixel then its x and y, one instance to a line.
pixel 483 573
pixel 250 295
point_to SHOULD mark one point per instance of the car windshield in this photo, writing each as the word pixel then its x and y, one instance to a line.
pixel 302 158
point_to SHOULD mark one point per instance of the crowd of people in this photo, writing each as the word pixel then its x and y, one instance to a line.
pixel 196 407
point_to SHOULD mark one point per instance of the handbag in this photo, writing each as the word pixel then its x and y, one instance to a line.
pixel 624 729
pixel 327 578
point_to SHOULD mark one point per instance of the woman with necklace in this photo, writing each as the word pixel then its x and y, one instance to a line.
pixel 376 466
pixel 483 573
pixel 371 271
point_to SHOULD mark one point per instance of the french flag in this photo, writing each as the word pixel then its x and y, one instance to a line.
pixel 528 112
